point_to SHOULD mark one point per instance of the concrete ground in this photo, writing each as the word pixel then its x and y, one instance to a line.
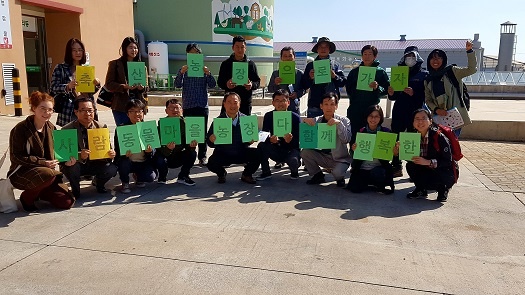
pixel 279 236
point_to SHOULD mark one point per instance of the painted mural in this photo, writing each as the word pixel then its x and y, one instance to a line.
pixel 248 18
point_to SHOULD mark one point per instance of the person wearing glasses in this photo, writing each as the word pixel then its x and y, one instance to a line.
pixel 63 82
pixel 140 164
pixel 33 158
pixel 102 169
pixel 195 95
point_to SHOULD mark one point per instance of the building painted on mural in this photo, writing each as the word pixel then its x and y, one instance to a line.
pixel 211 24
pixel 35 32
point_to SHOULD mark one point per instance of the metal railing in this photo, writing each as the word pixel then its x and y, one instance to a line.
pixel 496 78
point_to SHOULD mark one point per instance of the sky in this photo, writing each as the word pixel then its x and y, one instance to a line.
pixel 348 20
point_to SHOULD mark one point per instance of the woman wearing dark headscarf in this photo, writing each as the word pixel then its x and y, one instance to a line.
pixel 440 93
pixel 408 100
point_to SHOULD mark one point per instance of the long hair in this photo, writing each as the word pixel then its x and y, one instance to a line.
pixel 123 48
pixel 68 54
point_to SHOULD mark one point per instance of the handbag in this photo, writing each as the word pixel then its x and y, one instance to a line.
pixel 7 195
pixel 60 100
pixel 453 119
pixel 105 97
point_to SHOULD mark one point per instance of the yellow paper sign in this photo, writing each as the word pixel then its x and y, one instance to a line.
pixel 84 77
pixel 98 143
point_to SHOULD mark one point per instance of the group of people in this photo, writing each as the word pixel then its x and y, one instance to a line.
pixel 430 92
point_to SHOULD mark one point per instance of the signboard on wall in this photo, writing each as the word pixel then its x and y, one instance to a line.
pixel 6 42
pixel 28 23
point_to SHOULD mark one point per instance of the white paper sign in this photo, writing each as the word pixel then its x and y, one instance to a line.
pixel 263 135
pixel 453 119
pixel 6 41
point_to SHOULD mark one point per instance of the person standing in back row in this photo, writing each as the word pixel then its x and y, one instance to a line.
pixel 195 96
pixel 226 73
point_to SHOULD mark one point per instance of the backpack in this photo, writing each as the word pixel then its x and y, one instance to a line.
pixel 454 145
pixel 465 99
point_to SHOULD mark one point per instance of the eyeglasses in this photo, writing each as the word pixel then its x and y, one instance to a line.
pixel 46 110
pixel 174 108
pixel 136 112
pixel 421 119
pixel 87 111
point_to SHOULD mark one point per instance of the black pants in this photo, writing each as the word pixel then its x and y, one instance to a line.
pixel 184 159
pixel 360 179
pixel 427 178
pixel 199 112
pixel 102 170
pixel 249 157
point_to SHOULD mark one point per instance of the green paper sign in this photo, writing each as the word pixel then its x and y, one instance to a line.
pixel 307 136
pixel 240 73
pixel 137 73
pixel 365 143
pixel 195 63
pixel 170 130
pixel 195 129
pixel 366 76
pixel 322 71
pixel 249 128
pixel 149 134
pixel 326 136
pixel 222 129
pixel 399 78
pixel 409 145
pixel 65 144
pixel 128 139
pixel 282 123
pixel 287 72
pixel 384 147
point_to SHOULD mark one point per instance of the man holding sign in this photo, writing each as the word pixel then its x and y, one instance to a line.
pixel 247 73
pixel 173 155
pixel 284 148
pixel 195 78
pixel 238 152
pixel 338 159
pixel 288 78
pixel 324 47
pixel 88 164
pixel 364 86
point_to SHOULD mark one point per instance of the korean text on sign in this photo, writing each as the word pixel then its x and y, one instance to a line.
pixel 195 129
pixel 128 139
pixel 366 76
pixel 137 73
pixel 322 71
pixel 282 123
pixel 148 134
pixel 170 130
pixel 399 78
pixel 287 72
pixel 195 63
pixel 249 128
pixel 84 77
pixel 98 143
pixel 222 129
pixel 240 73
pixel 409 145
pixel 307 136
pixel 365 143
pixel 65 143
pixel 326 136
pixel 384 147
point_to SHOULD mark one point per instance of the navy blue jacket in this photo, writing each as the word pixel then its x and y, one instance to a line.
pixel 237 147
pixel 318 90
pixel 268 127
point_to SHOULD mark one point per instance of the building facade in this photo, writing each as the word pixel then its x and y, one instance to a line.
pixel 36 31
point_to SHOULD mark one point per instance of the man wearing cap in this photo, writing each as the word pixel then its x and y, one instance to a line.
pixel 324 47
pixel 408 100
pixel 195 95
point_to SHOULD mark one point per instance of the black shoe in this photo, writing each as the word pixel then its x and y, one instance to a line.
pixel 28 207
pixel 264 175
pixel 222 178
pixel 203 162
pixel 316 179
pixel 341 183
pixel 294 175
pixel 248 179
pixel 186 181
pixel 442 196
pixel 278 165
pixel 418 194
pixel 398 172
pixel 101 190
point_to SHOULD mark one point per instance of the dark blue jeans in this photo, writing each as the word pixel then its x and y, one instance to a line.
pixel 121 118
pixel 199 112
pixel 268 150
pixel 184 159
pixel 144 170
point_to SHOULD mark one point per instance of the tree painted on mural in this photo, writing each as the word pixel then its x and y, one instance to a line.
pixel 247 21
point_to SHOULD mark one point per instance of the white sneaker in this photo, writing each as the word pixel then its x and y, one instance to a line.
pixel 140 184
pixel 125 188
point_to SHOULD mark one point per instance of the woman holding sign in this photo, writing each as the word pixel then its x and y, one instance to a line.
pixel 410 95
pixel 432 169
pixel 117 80
pixel 33 159
pixel 64 82
pixel 377 172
